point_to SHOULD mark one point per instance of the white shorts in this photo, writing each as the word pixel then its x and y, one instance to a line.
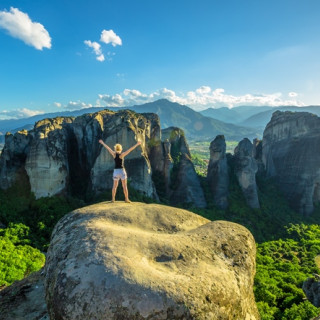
pixel 119 174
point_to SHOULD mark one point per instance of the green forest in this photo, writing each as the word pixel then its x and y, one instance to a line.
pixel 287 242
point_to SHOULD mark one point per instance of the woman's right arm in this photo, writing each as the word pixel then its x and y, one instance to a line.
pixel 108 148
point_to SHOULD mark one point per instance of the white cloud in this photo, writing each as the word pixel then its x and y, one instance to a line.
pixel 72 105
pixel 100 57
pixel 19 113
pixel 57 104
pixel 202 98
pixel 96 49
pixel 112 101
pixel 20 26
pixel 109 36
pixel 292 94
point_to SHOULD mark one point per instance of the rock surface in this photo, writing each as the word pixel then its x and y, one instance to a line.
pixel 24 300
pixel 184 184
pixel 62 155
pixel 311 288
pixel 291 142
pixel 47 160
pixel 126 128
pixel 139 261
pixel 257 155
pixel 218 172
pixel 13 158
pixel 245 168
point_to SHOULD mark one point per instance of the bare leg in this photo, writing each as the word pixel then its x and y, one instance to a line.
pixel 114 190
pixel 125 190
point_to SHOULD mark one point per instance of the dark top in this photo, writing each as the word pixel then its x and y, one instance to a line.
pixel 118 162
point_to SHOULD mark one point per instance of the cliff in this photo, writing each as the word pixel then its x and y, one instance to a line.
pixel 245 168
pixel 139 261
pixel 218 172
pixel 183 185
pixel 63 156
pixel 290 154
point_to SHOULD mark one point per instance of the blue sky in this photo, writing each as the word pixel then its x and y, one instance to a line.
pixel 58 55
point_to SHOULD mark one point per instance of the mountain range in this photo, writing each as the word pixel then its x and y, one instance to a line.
pixel 195 125
pixel 235 123
pixel 252 116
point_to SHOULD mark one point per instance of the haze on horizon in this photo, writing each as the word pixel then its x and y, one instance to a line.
pixel 58 55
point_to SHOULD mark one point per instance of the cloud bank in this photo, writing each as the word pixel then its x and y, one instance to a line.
pixel 19 113
pixel 200 99
pixel 20 26
pixel 72 105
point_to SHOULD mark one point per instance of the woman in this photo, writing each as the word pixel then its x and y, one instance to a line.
pixel 119 171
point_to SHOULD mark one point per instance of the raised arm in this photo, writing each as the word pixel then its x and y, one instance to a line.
pixel 123 154
pixel 108 148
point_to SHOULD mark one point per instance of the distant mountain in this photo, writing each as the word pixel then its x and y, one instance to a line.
pixel 234 115
pixel 195 125
pixel 261 119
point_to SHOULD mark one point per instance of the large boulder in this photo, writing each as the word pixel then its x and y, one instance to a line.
pixel 291 142
pixel 245 168
pixel 140 261
pixel 218 172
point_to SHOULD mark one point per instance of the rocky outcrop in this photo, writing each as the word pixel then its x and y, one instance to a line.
pixel 290 154
pixel 62 155
pixel 24 299
pixel 47 160
pixel 127 127
pixel 184 186
pixel 257 155
pixel 139 261
pixel 13 157
pixel 311 288
pixel 245 168
pixel 218 172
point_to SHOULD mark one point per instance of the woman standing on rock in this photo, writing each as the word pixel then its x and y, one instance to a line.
pixel 119 171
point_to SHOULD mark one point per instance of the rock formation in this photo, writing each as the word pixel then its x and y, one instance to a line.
pixel 139 261
pixel 24 299
pixel 127 127
pixel 257 155
pixel 218 172
pixel 184 186
pixel 245 168
pixel 290 154
pixel 13 157
pixel 311 288
pixel 47 160
pixel 62 155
